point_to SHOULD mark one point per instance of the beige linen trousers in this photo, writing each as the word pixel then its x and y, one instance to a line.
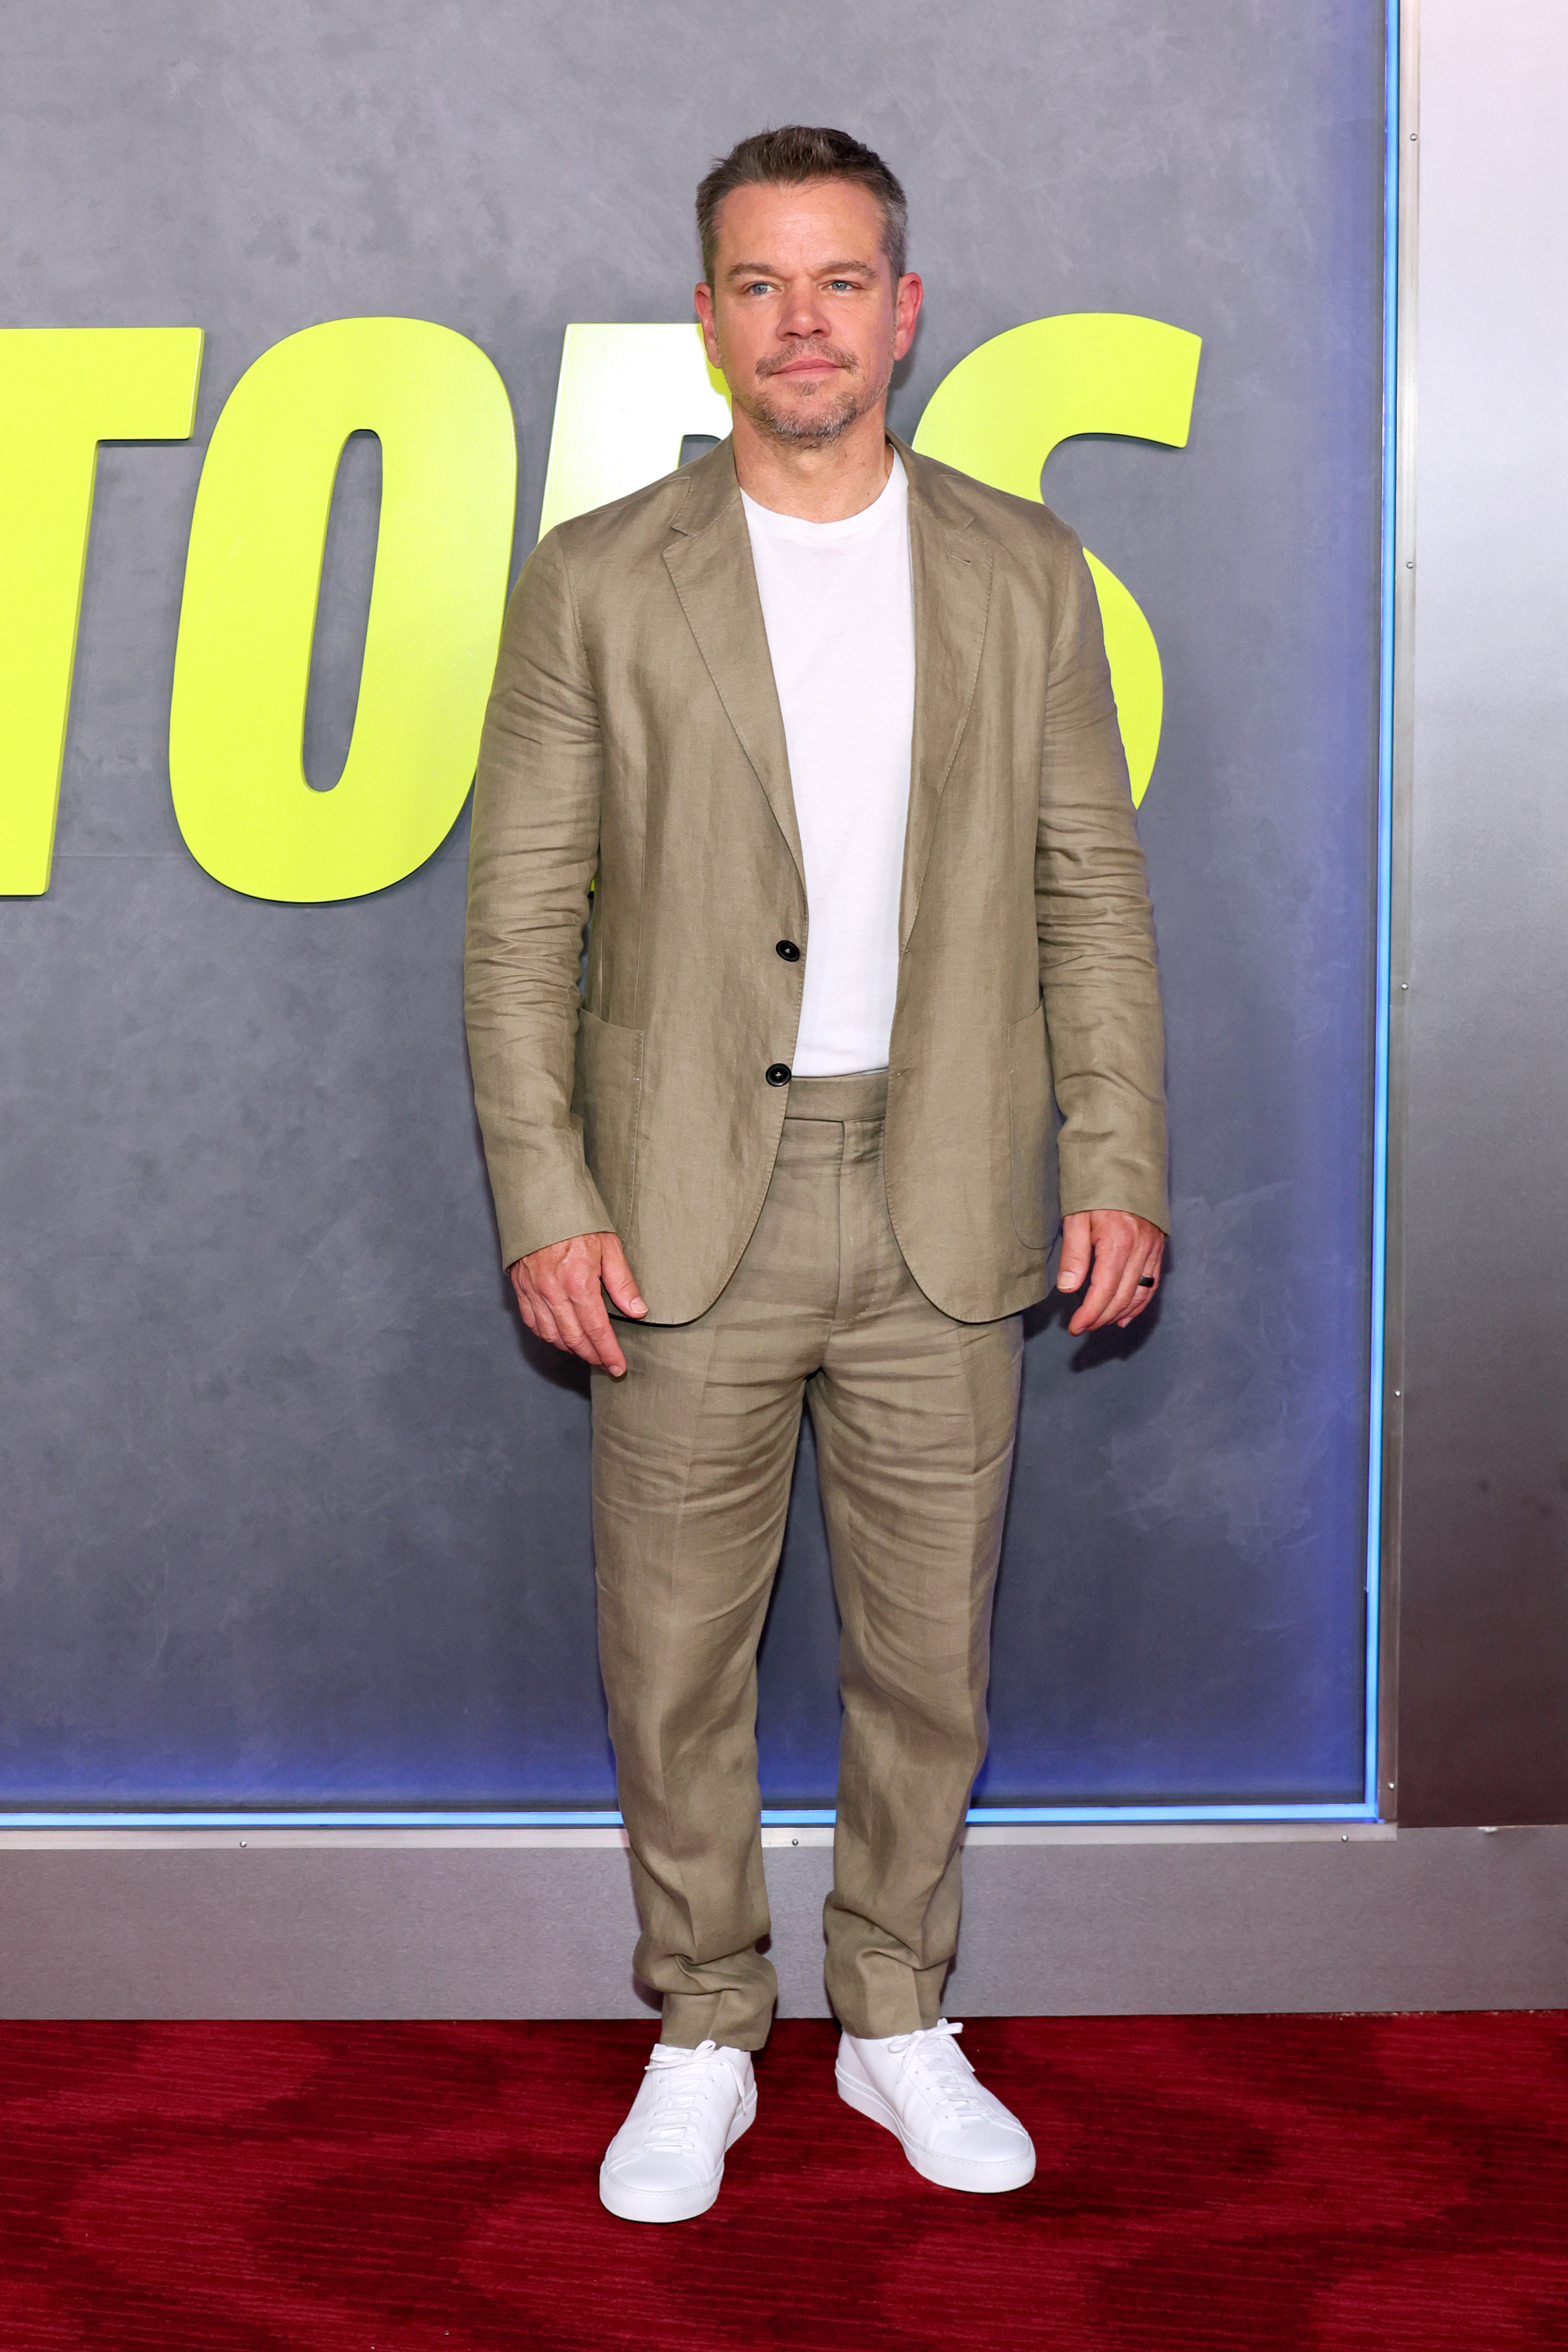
pixel 693 1449
pixel 869 1250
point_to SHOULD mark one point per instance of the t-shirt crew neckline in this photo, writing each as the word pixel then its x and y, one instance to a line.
pixel 819 534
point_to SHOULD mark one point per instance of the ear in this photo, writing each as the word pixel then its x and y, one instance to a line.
pixel 907 300
pixel 702 301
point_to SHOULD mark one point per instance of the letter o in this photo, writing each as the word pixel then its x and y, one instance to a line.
pixel 253 577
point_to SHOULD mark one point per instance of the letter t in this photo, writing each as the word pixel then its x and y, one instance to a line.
pixel 62 391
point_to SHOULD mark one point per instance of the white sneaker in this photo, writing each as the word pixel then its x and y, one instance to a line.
pixel 921 2087
pixel 667 2160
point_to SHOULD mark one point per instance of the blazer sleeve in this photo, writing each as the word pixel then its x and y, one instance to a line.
pixel 533 854
pixel 1098 975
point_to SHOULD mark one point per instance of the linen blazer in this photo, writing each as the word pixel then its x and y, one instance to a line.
pixel 633 744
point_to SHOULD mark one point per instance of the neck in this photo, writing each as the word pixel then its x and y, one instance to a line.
pixel 824 485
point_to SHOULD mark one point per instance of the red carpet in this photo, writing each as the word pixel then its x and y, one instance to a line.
pixel 1354 2184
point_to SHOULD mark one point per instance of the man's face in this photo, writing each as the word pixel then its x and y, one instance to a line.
pixel 804 317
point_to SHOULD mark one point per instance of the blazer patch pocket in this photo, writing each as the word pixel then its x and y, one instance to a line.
pixel 609 1097
pixel 1029 1116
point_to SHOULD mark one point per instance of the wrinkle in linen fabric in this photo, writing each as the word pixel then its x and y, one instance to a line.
pixel 693 1453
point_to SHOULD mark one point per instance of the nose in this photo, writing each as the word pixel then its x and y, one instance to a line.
pixel 801 315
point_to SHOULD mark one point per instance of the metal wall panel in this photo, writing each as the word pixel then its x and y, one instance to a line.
pixel 1483 1716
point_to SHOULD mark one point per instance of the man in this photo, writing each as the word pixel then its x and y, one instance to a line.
pixel 831 728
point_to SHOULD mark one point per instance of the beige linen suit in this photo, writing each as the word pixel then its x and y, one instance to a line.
pixel 869 1242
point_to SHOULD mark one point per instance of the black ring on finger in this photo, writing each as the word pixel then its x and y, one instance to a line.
pixel 1145 1281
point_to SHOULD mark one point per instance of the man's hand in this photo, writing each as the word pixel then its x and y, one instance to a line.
pixel 558 1293
pixel 1123 1248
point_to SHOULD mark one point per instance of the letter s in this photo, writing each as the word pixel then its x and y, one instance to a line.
pixel 1001 412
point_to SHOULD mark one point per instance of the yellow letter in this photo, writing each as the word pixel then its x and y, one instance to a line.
pixel 253 578
pixel 62 391
pixel 1004 409
pixel 628 398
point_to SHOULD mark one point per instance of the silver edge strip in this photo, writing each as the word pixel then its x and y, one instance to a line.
pixel 566 1839
pixel 1407 255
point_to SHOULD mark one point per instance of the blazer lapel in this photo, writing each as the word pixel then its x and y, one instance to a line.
pixel 709 561
pixel 951 569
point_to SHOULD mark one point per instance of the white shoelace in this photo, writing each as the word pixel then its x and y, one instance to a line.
pixel 942 2072
pixel 682 2091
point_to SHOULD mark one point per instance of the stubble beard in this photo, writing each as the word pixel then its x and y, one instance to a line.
pixel 832 412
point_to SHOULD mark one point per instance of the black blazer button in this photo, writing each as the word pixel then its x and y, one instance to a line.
pixel 788 950
pixel 777 1074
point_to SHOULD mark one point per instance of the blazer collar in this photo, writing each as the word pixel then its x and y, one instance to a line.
pixel 710 560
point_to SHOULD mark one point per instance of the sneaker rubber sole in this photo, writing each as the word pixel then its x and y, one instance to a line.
pixel 947 2171
pixel 630 2204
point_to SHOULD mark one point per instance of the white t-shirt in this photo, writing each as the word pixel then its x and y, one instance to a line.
pixel 838 602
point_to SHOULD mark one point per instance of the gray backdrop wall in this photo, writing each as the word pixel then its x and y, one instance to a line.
pixel 296 1515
